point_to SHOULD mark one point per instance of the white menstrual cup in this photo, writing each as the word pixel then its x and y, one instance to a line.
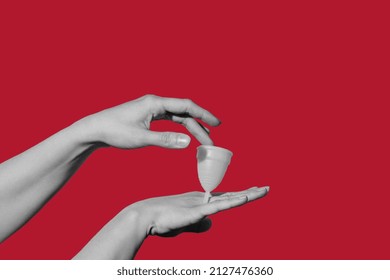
pixel 212 164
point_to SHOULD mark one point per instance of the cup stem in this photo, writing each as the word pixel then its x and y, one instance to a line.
pixel 207 197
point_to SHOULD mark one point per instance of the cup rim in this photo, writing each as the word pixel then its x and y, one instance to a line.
pixel 211 147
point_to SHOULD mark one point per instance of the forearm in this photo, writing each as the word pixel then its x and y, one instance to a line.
pixel 29 180
pixel 119 239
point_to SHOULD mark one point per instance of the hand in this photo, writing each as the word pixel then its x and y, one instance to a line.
pixel 171 215
pixel 127 126
pixel 164 216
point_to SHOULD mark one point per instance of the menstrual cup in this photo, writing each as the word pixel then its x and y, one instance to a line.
pixel 212 164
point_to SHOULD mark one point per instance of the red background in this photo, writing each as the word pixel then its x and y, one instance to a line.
pixel 302 90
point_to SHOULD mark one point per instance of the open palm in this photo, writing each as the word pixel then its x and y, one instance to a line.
pixel 172 215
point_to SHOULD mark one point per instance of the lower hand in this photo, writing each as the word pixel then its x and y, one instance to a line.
pixel 163 216
pixel 171 215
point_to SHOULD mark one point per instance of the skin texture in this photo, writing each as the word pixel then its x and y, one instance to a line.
pixel 165 216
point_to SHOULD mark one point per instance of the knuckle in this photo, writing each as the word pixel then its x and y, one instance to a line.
pixel 149 96
pixel 151 100
pixel 166 138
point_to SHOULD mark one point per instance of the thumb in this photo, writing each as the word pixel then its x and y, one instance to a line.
pixel 170 140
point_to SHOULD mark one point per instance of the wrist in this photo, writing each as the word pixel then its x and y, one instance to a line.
pixel 140 217
pixel 119 239
pixel 87 133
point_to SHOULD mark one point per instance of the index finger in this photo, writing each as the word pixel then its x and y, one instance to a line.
pixel 186 106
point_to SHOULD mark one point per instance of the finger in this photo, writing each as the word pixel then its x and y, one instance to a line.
pixel 180 119
pixel 186 106
pixel 252 194
pixel 231 193
pixel 195 128
pixel 204 128
pixel 171 140
pixel 222 195
pixel 220 205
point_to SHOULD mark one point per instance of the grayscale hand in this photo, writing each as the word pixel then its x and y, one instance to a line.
pixel 165 216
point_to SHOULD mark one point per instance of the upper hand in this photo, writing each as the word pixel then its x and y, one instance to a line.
pixel 128 125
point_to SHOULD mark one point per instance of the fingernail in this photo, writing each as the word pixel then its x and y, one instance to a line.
pixel 263 188
pixel 183 140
